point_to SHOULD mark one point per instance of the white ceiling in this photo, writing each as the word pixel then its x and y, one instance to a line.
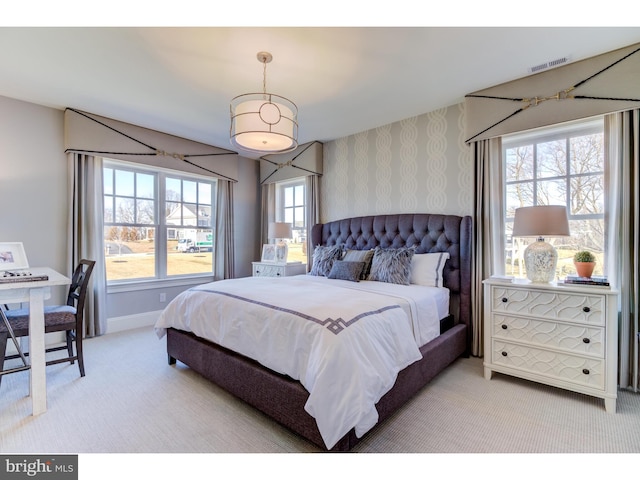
pixel 344 80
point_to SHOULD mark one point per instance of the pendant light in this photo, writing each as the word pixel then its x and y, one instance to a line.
pixel 263 122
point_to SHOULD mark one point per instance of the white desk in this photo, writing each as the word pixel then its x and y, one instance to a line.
pixel 35 293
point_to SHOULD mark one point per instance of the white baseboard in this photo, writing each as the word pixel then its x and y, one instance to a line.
pixel 129 322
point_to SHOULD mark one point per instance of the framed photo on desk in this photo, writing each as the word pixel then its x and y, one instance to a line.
pixel 12 256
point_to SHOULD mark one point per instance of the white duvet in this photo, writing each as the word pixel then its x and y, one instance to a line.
pixel 344 341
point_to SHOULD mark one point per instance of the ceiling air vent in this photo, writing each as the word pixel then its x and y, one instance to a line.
pixel 550 64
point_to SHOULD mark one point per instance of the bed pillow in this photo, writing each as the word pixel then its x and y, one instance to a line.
pixel 323 258
pixel 427 268
pixel 392 265
pixel 364 256
pixel 343 270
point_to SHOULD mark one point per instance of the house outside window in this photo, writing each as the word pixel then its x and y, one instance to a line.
pixel 157 224
pixel 563 165
pixel 290 208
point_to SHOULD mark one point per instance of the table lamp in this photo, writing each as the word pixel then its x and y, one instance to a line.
pixel 279 231
pixel 540 257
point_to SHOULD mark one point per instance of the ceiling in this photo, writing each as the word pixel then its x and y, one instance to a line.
pixel 344 80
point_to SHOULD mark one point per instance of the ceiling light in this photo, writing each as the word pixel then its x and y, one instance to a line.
pixel 264 122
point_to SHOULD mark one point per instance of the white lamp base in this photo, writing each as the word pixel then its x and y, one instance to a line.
pixel 282 252
pixel 540 260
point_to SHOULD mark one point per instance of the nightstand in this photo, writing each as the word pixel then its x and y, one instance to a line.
pixel 264 269
pixel 565 336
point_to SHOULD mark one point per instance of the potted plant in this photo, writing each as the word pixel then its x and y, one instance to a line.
pixel 585 262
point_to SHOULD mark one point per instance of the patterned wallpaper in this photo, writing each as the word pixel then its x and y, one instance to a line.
pixel 417 165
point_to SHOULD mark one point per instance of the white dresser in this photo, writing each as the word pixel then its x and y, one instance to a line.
pixel 565 336
pixel 265 269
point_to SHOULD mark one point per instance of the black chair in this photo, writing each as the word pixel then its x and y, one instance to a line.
pixel 67 318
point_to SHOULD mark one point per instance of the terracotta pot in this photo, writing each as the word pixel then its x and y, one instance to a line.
pixel 584 269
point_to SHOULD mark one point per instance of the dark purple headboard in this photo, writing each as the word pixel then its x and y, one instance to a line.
pixel 429 232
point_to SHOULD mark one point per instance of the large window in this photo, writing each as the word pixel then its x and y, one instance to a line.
pixel 557 166
pixel 157 224
pixel 290 207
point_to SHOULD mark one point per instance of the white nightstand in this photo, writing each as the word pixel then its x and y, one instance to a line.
pixel 264 269
pixel 565 336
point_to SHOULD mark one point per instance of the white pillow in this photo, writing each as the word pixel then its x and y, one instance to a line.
pixel 426 268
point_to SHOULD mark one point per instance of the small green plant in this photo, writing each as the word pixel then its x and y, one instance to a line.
pixel 584 256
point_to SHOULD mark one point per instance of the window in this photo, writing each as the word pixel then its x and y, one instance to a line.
pixel 290 205
pixel 557 166
pixel 157 224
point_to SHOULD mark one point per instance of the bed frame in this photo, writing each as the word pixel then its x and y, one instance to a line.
pixel 283 398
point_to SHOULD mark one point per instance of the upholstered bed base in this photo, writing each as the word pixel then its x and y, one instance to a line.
pixel 283 398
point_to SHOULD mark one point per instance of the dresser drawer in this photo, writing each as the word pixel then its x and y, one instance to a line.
pixel 574 307
pixel 263 270
pixel 585 371
pixel 570 337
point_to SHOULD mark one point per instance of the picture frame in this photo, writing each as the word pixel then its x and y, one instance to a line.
pixel 268 253
pixel 12 256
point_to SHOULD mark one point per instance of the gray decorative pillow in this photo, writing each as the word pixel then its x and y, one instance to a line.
pixel 346 270
pixel 392 265
pixel 360 256
pixel 323 258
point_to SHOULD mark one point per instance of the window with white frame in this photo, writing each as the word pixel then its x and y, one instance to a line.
pixel 290 206
pixel 563 165
pixel 157 224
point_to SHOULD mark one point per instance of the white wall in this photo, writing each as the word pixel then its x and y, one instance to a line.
pixel 33 183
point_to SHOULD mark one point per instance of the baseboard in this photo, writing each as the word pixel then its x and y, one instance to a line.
pixel 129 322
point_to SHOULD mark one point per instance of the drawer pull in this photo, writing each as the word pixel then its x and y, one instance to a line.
pixel 504 300
pixel 504 354
pixel 278 274
pixel 586 340
pixel 585 371
pixel 586 309
pixel 258 272
pixel 504 327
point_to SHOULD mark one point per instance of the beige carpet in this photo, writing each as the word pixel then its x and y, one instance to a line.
pixel 132 401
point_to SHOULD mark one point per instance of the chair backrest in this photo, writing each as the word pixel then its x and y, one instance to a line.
pixel 78 288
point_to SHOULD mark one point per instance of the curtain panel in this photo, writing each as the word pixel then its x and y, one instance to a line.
pixel 488 224
pixel 622 211
pixel 85 233
pixel 224 244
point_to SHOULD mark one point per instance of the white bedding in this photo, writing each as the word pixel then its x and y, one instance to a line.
pixel 344 341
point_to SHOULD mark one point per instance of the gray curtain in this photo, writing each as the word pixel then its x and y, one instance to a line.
pixel 312 202
pixel 268 210
pixel 224 243
pixel 85 233
pixel 622 137
pixel 488 224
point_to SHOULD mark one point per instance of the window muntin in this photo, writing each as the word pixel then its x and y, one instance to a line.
pixel 557 166
pixel 141 243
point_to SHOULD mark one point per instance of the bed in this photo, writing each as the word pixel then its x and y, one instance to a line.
pixel 248 340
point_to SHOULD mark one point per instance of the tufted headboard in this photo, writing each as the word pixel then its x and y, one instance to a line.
pixel 429 232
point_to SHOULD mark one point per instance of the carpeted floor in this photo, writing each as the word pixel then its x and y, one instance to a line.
pixel 132 401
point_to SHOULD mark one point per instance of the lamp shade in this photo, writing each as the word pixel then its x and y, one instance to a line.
pixel 279 230
pixel 541 221
pixel 264 123
pixel 540 257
